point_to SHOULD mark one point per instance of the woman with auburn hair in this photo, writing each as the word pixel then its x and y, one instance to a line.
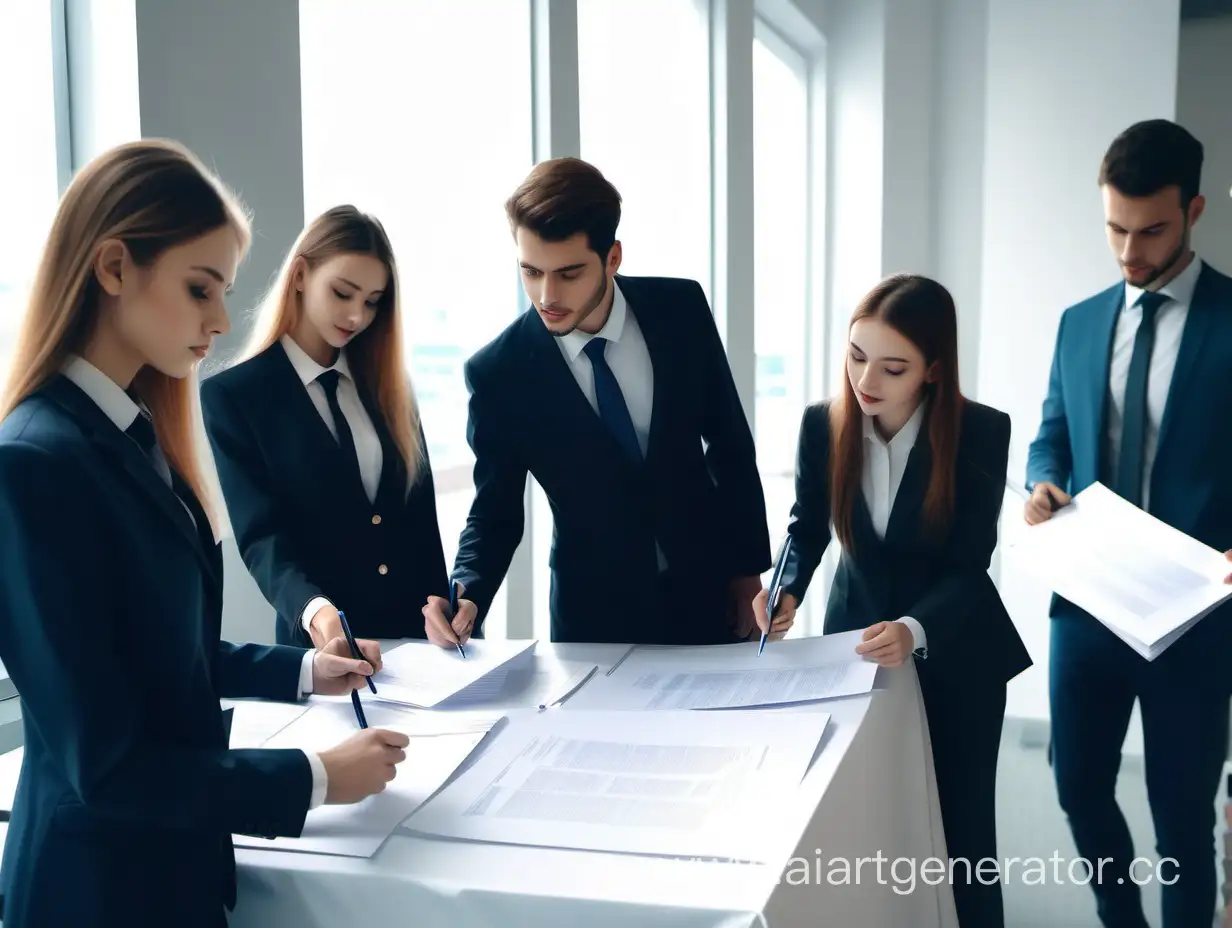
pixel 911 475
pixel 111 578
pixel 319 450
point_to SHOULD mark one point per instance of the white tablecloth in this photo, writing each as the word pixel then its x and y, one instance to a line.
pixel 870 791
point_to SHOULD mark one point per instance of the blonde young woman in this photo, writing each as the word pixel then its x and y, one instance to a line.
pixel 319 451
pixel 111 580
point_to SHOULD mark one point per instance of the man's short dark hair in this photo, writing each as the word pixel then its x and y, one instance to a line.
pixel 563 197
pixel 1152 155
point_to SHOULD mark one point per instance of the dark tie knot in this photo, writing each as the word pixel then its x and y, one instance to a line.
pixel 141 430
pixel 329 381
pixel 1150 302
pixel 594 350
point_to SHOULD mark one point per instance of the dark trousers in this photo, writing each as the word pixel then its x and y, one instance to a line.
pixel 964 724
pixel 1095 679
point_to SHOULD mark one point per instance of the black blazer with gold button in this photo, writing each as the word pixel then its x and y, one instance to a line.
pixel 942 583
pixel 110 614
pixel 303 523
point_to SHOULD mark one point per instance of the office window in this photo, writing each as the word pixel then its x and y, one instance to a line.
pixel 29 187
pixel 644 94
pixel 419 113
pixel 780 229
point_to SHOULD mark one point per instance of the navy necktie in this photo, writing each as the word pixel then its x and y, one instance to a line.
pixel 612 408
pixel 1129 472
pixel 141 430
pixel 346 441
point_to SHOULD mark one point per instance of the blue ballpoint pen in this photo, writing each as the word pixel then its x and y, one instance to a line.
pixel 772 599
pixel 453 611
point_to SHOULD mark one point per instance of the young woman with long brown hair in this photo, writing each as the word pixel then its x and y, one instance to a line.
pixel 319 450
pixel 111 578
pixel 911 475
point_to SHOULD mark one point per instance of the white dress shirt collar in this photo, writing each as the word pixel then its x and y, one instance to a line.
pixel 308 369
pixel 108 395
pixel 905 438
pixel 575 341
pixel 1180 288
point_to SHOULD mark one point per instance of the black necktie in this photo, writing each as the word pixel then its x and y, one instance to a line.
pixel 611 401
pixel 141 430
pixel 346 441
pixel 1129 470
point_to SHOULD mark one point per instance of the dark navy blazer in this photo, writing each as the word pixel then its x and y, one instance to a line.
pixel 697 494
pixel 110 613
pixel 304 525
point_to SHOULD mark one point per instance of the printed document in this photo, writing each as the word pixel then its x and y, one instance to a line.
pixel 1146 581
pixel 440 743
pixel 680 784
pixel 424 675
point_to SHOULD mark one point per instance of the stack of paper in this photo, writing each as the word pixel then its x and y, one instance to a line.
pixel 1144 580
pixel 424 675
pixel 791 671
pixel 255 721
pixel 680 784
pixel 439 745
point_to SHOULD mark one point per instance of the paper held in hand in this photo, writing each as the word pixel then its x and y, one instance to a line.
pixel 1144 580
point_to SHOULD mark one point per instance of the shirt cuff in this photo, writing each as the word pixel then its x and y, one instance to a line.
pixel 320 780
pixel 305 674
pixel 310 610
pixel 919 640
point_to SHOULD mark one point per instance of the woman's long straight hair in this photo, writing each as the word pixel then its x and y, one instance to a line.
pixel 922 311
pixel 151 195
pixel 375 355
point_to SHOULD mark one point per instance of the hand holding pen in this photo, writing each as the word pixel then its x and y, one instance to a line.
pixel 448 622
pixel 1045 499
pixel 770 606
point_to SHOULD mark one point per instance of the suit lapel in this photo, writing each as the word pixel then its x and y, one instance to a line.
pixel 658 345
pixel 289 393
pixel 904 519
pixel 1202 311
pixel 131 461
pixel 1095 405
pixel 573 408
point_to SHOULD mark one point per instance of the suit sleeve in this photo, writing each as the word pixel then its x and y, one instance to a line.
pixel 270 553
pixel 496 521
pixel 955 598
pixel 79 689
pixel 730 454
pixel 1049 458
pixel 257 671
pixel 809 528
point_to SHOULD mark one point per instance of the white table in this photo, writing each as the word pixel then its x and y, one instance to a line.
pixel 870 789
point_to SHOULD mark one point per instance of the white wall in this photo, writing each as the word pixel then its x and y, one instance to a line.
pixel 1056 96
pixel 1202 106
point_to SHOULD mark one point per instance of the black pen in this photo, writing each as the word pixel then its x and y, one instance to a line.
pixel 776 581
pixel 355 652
pixel 453 612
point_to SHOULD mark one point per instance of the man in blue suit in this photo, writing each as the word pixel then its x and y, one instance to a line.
pixel 1137 396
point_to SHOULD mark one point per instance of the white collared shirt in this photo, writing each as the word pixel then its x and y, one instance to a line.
pixel 885 462
pixel 1169 328
pixel 120 408
pixel 629 359
pixel 367 443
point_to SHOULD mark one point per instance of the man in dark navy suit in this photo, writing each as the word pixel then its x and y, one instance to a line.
pixel 615 393
pixel 1137 399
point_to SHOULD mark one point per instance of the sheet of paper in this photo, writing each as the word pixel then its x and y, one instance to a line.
pixel 422 674
pixel 790 671
pixel 1143 579
pixel 680 784
pixel 255 721
pixel 439 745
